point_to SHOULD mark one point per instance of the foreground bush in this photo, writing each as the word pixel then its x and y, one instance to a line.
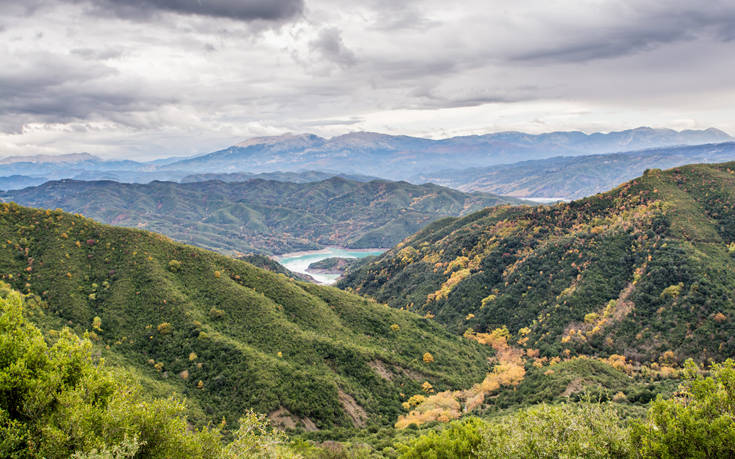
pixel 543 431
pixel 55 401
pixel 548 431
pixel 698 422
pixel 58 402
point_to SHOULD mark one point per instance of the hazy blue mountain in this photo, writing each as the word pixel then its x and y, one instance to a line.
pixel 53 159
pixel 16 182
pixel 357 154
pixel 400 157
pixel 574 177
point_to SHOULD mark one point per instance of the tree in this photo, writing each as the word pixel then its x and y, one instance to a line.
pixel 428 358
pixel 57 401
pixel 256 438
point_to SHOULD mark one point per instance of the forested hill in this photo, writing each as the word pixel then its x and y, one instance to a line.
pixel 645 270
pixel 227 335
pixel 262 215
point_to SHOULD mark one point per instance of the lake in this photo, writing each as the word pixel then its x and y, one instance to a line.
pixel 299 261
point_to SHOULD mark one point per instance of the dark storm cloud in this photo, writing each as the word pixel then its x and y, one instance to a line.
pixel 58 89
pixel 243 10
pixel 329 44
pixel 633 27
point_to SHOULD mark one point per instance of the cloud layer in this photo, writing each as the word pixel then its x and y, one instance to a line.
pixel 148 78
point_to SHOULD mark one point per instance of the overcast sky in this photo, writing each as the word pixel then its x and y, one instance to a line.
pixel 152 78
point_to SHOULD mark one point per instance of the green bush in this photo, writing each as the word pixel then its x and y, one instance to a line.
pixel 56 401
pixel 586 430
pixel 698 422
pixel 549 431
pixel 460 439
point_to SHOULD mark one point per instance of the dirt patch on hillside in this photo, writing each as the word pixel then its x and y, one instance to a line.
pixel 573 387
pixel 413 374
pixel 353 410
pixel 379 367
pixel 284 419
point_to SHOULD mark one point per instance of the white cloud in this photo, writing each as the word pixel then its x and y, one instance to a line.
pixel 182 80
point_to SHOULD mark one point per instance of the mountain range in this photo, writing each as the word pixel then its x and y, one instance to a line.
pixel 359 153
pixel 263 215
pixel 573 177
pixel 399 157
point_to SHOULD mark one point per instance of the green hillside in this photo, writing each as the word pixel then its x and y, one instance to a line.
pixel 227 335
pixel 261 215
pixel 645 270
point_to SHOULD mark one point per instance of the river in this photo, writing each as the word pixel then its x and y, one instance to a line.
pixel 299 261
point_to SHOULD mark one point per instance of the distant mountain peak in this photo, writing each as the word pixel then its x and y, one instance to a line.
pixel 289 138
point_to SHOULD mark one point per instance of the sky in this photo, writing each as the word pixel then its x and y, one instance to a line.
pixel 143 79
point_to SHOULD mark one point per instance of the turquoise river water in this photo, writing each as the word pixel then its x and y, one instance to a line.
pixel 299 261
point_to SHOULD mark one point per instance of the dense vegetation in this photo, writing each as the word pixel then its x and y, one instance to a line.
pixel 572 323
pixel 698 422
pixel 59 399
pixel 259 215
pixel 268 263
pixel 225 334
pixel 645 271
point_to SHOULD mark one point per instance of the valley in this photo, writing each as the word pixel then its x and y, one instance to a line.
pixel 458 326
pixel 263 216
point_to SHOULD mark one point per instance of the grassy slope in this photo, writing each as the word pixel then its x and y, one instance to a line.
pixel 326 337
pixel 261 215
pixel 651 258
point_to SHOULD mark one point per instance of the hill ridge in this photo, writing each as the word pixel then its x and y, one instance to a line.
pixel 557 276
pixel 224 333
pixel 262 215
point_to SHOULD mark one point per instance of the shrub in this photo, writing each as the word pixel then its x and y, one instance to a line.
pixel 698 422
pixel 549 431
pixel 56 401
pixel 215 313
pixel 174 266
pixel 672 291
pixel 460 439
